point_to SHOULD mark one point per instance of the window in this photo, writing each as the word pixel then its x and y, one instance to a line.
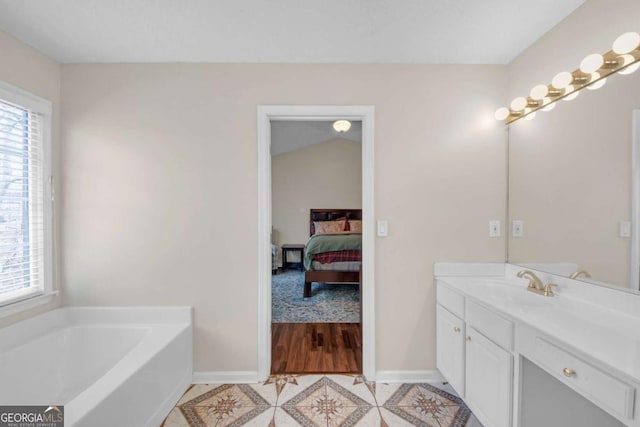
pixel 25 196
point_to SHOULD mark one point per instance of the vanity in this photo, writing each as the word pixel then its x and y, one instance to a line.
pixel 522 359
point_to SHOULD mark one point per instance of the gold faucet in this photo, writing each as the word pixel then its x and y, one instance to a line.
pixel 534 281
pixel 535 284
pixel 579 273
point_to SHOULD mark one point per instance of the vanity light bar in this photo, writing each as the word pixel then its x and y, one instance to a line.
pixel 624 58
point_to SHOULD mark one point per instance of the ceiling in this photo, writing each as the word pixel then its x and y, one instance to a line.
pixel 292 135
pixel 282 31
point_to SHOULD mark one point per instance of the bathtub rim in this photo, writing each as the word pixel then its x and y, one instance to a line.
pixel 29 329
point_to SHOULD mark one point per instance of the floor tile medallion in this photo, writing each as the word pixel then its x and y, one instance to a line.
pixel 326 403
pixel 228 405
pixel 426 405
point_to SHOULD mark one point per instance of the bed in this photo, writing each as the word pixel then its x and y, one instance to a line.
pixel 333 255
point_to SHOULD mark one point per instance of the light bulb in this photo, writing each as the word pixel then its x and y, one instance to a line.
pixel 549 107
pixel 626 60
pixel 502 113
pixel 630 69
pixel 572 96
pixel 626 43
pixel 519 104
pixel 539 92
pixel 342 125
pixel 597 85
pixel 562 80
pixel 592 63
pixel 530 116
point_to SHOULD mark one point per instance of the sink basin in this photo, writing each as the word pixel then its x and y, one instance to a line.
pixel 507 292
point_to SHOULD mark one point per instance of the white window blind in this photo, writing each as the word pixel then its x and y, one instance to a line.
pixel 22 203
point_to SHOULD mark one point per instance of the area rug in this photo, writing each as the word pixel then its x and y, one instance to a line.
pixel 327 304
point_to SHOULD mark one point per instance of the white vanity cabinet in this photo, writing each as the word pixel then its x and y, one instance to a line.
pixel 474 354
pixel 519 359
pixel 450 348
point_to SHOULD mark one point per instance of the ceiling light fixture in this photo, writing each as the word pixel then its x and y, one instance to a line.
pixel 342 125
pixel 624 58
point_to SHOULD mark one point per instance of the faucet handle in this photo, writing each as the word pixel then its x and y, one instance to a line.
pixel 548 292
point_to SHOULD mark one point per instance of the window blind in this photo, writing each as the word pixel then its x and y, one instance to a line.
pixel 22 216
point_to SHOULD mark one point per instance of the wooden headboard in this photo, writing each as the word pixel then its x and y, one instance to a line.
pixel 331 215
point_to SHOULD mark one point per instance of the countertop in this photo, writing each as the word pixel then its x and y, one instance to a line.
pixel 599 331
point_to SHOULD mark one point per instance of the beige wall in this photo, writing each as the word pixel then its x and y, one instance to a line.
pixel 158 181
pixel 28 69
pixel 160 184
pixel 324 175
pixel 571 168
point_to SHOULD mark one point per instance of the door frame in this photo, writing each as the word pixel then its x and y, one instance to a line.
pixel 635 201
pixel 266 114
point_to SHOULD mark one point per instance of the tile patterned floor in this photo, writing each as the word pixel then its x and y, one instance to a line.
pixel 320 400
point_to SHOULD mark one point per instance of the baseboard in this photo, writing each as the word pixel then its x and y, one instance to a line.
pixel 225 377
pixel 432 376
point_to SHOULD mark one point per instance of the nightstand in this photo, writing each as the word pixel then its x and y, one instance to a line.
pixel 292 249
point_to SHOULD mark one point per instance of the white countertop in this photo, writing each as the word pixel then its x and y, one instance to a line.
pixel 599 331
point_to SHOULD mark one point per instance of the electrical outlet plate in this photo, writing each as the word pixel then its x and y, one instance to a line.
pixel 494 228
pixel 517 228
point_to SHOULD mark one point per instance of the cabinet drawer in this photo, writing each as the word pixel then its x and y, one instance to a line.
pixel 451 300
pixel 491 325
pixel 600 387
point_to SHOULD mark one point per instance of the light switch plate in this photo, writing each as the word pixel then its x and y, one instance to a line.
pixel 517 228
pixel 383 228
pixel 494 228
pixel 625 229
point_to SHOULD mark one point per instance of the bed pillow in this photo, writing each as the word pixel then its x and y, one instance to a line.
pixel 355 225
pixel 329 227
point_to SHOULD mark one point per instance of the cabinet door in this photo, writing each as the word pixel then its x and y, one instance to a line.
pixel 489 374
pixel 450 348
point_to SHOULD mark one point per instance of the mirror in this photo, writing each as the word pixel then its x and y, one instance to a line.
pixel 570 185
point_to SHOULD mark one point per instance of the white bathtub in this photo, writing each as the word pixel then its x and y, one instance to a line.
pixel 107 366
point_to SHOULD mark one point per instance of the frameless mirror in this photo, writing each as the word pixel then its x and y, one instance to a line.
pixel 571 187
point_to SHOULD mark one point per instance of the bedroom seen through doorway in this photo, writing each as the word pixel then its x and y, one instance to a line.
pixel 316 247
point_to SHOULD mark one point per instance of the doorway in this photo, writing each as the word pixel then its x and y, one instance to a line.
pixel 266 116
pixel 316 200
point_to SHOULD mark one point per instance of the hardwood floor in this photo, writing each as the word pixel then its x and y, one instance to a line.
pixel 316 348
